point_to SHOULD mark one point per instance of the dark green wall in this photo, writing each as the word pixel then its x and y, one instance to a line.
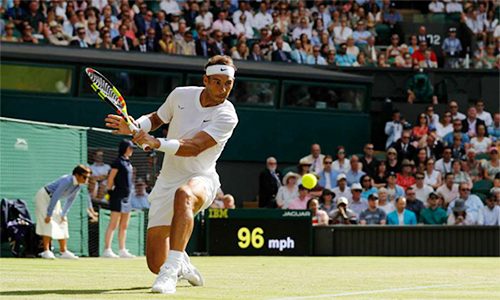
pixel 283 133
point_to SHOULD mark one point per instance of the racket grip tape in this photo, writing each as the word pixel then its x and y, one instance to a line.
pixel 134 128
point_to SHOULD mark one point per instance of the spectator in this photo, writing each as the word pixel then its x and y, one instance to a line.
pixel 433 214
pixel 191 14
pixel 151 42
pixel 404 179
pixel 161 24
pixel 404 61
pixel 472 203
pixel 342 32
pixel 326 201
pixel 241 51
pixel 472 166
pixel 354 174
pixel 405 150
pixel 269 183
pixel 434 147
pixel 357 204
pixel 401 216
pixel 315 158
pixel 319 217
pixel 422 190
pixel 288 191
pixel 58 37
pixel 9 34
pixel 419 87
pixel 361 35
pixel 422 35
pixel 360 62
pixel 106 42
pixel 449 190
pixel 170 7
pixel 457 151
pixel 100 172
pixel 373 215
pixel 243 27
pixel 419 55
pixel 492 167
pixel 167 44
pixel 279 55
pixel 301 201
pixel 432 177
pixel 394 129
pixel 393 18
pixel 444 126
pixel 224 25
pixel 328 176
pixel 393 163
pixel 294 23
pixel 481 143
pixel 420 160
pixel 457 128
pixel 384 203
pixel 421 129
pixel 342 190
pixel 393 50
pixel 80 40
pixel 489 215
pixel 454 7
pixel 139 199
pixel 482 114
pixel 428 63
pixel 380 176
pixel 342 59
pixel 127 42
pixel 370 50
pixel 370 163
pixel 256 55
pixel 342 163
pixel 35 17
pixel 413 47
pixel 368 189
pixel 374 16
pixel 343 215
pixel 242 11
pixel 490 23
pixel 451 49
pixel 381 62
pixel 186 45
pixel 27 36
pixel 443 165
pixel 263 18
pixel 316 58
pixel 459 215
pixel 218 46
pixel 306 45
pixel 412 203
pixel 352 49
pixel 179 32
pixel 205 17
pixel 494 129
pixel 471 123
pixel 298 55
pixel 459 175
pixel 454 111
pixel 16 14
pixel 393 190
pixel 475 24
pixel 144 20
pixel 143 46
pixel 436 6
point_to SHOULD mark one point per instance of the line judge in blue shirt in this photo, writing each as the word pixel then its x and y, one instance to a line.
pixel 51 221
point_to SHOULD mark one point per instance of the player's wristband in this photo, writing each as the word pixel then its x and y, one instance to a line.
pixel 144 123
pixel 169 146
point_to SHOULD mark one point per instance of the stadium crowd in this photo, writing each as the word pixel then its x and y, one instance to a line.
pixel 442 170
pixel 341 33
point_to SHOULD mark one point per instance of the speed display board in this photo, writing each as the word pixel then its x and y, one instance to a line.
pixel 259 232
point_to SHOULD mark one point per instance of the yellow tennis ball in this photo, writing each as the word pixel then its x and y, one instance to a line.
pixel 309 181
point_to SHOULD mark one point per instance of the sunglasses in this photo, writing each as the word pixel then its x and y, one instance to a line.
pixel 328 163
pixel 219 36
pixel 465 190
pixel 85 176
pixel 420 178
pixel 366 180
pixel 371 148
pixel 391 153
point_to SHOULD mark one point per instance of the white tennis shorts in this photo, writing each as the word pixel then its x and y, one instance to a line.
pixel 162 197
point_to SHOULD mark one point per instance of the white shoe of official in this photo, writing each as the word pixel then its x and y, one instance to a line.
pixel 47 254
pixel 190 273
pixel 68 255
pixel 108 253
pixel 166 281
pixel 123 253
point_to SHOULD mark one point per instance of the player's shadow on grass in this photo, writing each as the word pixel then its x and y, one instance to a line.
pixel 70 292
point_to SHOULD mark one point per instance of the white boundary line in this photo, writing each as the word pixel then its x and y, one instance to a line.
pixel 387 290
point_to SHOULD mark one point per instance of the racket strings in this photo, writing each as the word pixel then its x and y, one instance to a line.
pixel 106 89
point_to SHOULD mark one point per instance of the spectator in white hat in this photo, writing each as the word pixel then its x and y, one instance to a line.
pixel 357 204
pixel 343 215
pixel 342 190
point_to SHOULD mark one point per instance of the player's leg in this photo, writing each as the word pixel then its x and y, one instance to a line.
pixel 157 247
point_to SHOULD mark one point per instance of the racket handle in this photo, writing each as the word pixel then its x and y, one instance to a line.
pixel 134 129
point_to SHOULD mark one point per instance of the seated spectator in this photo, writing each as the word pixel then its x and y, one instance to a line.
pixel 352 49
pixel 459 215
pixel 455 114
pixel 472 166
pixel 444 126
pixel 436 6
pixel 244 28
pixel 256 54
pixel 494 129
pixel 342 32
pixel 224 25
pixel 357 204
pixel 412 203
pixel 470 202
pixel 401 216
pixel 28 37
pixel 489 60
pixel 482 114
pixel 202 45
pixel 370 51
pixel 373 215
pixel 342 163
pixel 449 190
pixel 404 148
pixel 142 46
pixel 186 45
pixel 263 18
pixel 394 128
pixel 319 217
pixel 354 174
pixel 471 123
pixel 328 176
pixel 139 199
pixel 298 55
pixel 303 168
pixel 167 44
pixel 392 164
pixel 242 11
pixel 80 40
pixel 393 18
pixel 481 143
pixel 218 46
pixel 381 61
pixel 428 63
pixel 384 203
pixel 241 51
pixel 106 42
pixel 280 55
pixel 316 58
pixel 368 189
pixel 422 190
pixel 205 17
pixel 419 87
pixel 288 191
pixel 223 200
pixel 420 56
pixel 454 7
pixel 492 167
pixel 58 37
pixel 434 147
pixel 433 214
pixel 9 34
pixel 361 35
pixel 432 177
pixel 489 215
pixel 98 180
pixel 380 177
pixel 393 190
pixel 326 201
pixel 342 190
pixel 451 49
pixel 360 62
pixel 394 50
pixel 316 159
pixel 15 14
pixel 421 129
pixel 305 44
pixel 343 215
pixel 459 175
pixel 301 201
pixel 420 160
pixel 404 179
pixel 413 47
pixel 342 59
pixel 457 150
pixel 269 182
pixel 128 43
pixel 404 61
pixel 457 128
pixel 475 24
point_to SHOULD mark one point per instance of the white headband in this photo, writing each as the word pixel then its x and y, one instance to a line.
pixel 220 70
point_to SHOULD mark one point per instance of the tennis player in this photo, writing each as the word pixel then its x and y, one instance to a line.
pixel 201 121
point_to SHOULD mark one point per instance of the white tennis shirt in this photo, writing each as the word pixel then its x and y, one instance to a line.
pixel 186 117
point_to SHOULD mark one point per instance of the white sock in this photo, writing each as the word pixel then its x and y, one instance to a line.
pixel 174 259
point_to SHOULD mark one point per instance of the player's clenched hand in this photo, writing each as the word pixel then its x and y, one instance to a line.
pixel 142 137
pixel 118 123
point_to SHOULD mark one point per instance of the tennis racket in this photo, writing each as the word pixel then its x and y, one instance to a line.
pixel 107 91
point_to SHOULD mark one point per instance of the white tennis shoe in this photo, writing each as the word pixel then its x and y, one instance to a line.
pixel 108 253
pixel 166 281
pixel 190 273
pixel 47 254
pixel 67 255
pixel 123 253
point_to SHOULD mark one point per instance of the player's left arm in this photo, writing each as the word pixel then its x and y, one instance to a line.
pixel 188 147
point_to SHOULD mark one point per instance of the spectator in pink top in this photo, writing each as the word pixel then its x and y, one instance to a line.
pixel 301 201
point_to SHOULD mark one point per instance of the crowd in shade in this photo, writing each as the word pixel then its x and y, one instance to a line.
pixel 340 33
pixel 440 170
